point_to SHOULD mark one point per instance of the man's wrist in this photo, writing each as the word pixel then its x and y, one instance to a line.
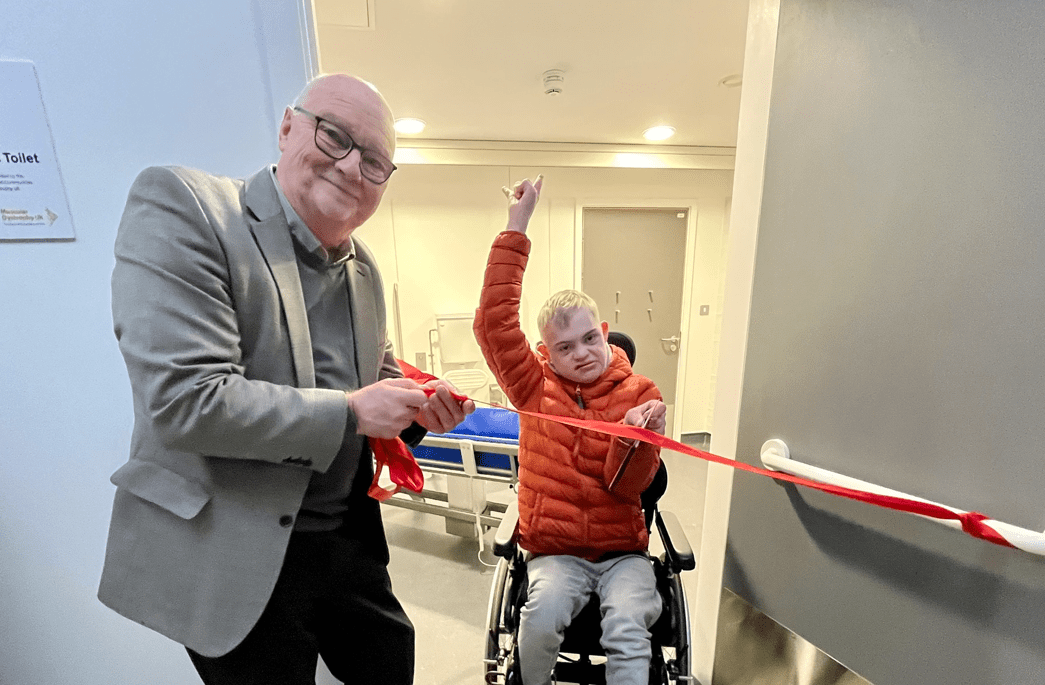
pixel 351 420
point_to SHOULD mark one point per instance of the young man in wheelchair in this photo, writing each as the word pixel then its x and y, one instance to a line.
pixel 580 514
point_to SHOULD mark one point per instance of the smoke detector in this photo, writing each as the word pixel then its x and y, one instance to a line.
pixel 553 81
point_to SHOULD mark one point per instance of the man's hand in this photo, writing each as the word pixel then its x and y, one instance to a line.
pixel 658 412
pixel 386 408
pixel 442 412
pixel 522 198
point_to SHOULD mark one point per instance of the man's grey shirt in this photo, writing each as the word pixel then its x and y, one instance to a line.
pixel 325 287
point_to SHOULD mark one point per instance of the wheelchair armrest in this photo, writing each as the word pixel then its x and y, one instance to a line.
pixel 679 555
pixel 504 538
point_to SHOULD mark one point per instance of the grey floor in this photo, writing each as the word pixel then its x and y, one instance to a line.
pixel 444 587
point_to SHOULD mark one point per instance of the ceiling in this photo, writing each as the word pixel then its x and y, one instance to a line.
pixel 473 69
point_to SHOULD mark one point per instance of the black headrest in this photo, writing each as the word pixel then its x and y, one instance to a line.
pixel 623 341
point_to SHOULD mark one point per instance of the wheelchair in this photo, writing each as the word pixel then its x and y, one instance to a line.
pixel 581 659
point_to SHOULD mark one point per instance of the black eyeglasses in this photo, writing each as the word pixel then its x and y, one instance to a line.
pixel 337 144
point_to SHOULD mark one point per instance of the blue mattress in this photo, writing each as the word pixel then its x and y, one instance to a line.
pixel 488 424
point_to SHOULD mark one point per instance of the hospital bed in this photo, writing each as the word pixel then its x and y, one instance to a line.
pixel 478 464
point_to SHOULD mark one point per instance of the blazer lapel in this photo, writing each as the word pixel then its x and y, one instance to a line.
pixel 364 320
pixel 272 233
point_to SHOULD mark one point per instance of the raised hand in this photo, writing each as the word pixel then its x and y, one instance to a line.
pixel 657 412
pixel 522 198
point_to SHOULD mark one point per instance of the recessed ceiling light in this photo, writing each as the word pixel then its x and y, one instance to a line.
pixel 658 133
pixel 408 126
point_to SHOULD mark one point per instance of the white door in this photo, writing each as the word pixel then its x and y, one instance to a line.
pixel 633 263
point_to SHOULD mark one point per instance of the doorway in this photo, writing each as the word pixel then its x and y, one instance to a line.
pixel 633 266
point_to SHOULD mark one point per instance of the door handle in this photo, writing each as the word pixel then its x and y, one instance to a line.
pixel 672 343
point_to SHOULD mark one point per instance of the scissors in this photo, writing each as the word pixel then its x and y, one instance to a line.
pixel 629 454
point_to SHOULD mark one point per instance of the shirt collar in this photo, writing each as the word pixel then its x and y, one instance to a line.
pixel 306 239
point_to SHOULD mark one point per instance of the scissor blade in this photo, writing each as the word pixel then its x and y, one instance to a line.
pixel 628 455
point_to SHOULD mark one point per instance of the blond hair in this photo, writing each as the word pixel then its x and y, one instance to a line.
pixel 556 309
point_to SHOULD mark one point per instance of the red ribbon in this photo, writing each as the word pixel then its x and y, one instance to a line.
pixel 972 522
pixel 402 468
pixel 392 453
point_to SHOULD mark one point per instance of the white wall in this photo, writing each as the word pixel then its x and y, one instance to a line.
pixel 126 84
pixel 731 348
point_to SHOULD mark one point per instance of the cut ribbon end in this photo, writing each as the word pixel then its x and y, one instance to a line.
pixel 402 468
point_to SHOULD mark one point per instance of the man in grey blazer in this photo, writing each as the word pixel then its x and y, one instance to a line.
pixel 252 323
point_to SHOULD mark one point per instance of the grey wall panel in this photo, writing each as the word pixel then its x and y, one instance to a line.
pixel 897 335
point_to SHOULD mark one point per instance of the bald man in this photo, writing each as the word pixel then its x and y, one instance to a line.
pixel 252 323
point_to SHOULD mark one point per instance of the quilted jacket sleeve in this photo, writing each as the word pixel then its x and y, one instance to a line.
pixel 496 326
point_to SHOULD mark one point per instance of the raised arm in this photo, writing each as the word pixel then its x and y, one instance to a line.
pixel 522 199
pixel 497 327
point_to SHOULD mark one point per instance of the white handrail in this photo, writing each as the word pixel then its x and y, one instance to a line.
pixel 777 457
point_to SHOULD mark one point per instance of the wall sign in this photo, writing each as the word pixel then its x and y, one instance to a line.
pixel 33 203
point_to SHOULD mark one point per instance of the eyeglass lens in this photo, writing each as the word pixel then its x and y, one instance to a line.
pixel 337 144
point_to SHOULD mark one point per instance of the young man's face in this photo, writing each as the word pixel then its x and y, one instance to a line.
pixel 578 350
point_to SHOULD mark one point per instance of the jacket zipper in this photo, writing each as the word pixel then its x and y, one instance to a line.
pixel 577 435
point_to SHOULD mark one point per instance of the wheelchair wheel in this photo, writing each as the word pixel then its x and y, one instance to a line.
pixel 671 639
pixel 501 657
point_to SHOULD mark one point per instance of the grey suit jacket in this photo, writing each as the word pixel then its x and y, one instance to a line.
pixel 228 423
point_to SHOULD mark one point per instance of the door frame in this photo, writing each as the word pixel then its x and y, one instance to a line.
pixel 691 207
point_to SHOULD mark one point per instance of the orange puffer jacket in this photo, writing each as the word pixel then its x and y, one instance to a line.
pixel 565 505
